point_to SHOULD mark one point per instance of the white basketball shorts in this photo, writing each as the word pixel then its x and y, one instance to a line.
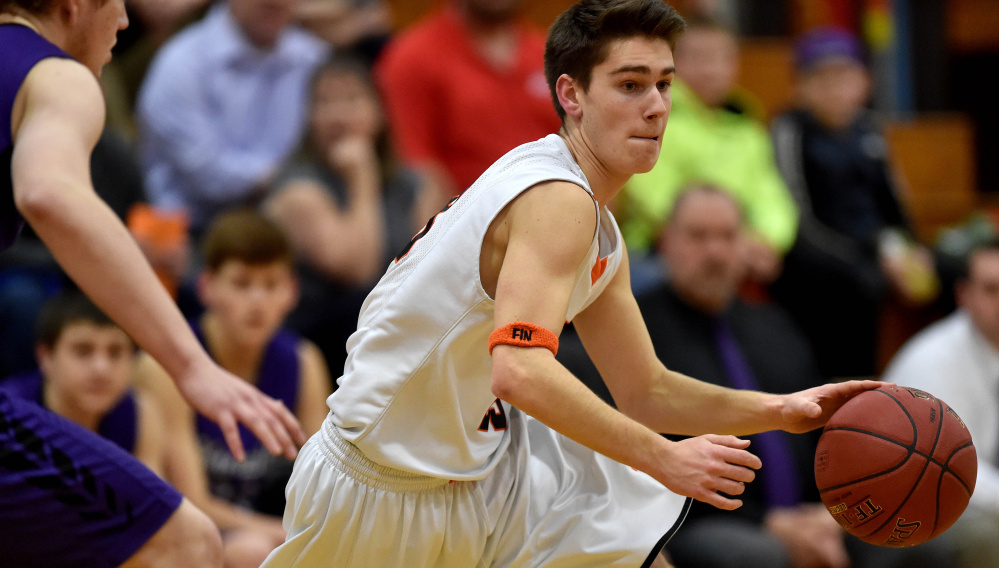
pixel 550 502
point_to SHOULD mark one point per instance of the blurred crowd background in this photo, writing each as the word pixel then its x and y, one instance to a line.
pixel 826 206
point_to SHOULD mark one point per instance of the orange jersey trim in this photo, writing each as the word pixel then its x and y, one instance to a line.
pixel 523 334
pixel 598 269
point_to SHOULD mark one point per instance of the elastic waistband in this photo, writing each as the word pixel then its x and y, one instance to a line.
pixel 355 464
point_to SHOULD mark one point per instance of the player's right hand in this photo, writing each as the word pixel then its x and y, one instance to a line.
pixel 701 467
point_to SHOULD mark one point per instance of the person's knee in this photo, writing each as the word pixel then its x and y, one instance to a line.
pixel 246 548
pixel 189 538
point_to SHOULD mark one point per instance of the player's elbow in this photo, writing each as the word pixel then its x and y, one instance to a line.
pixel 37 202
pixel 509 374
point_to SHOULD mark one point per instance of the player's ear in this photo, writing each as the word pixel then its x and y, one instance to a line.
pixel 69 10
pixel 568 92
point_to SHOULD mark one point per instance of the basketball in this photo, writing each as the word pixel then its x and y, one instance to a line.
pixel 895 466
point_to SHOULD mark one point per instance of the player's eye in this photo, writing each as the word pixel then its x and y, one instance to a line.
pixel 662 85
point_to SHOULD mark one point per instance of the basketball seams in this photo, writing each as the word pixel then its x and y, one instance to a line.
pixel 947 469
pixel 909 449
pixel 919 478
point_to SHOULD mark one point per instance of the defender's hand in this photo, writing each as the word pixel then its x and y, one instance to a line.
pixel 227 400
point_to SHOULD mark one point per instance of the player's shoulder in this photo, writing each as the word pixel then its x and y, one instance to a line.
pixel 556 203
pixel 60 83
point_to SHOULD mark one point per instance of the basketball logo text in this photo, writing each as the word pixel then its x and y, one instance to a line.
pixel 901 532
pixel 866 510
pixel 956 417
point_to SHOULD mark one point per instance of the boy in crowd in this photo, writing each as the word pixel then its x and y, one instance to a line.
pixel 248 286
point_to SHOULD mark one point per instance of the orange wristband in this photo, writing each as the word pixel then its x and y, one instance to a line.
pixel 523 334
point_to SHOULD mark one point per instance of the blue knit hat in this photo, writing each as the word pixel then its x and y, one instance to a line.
pixel 821 44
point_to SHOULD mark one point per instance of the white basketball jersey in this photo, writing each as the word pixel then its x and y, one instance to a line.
pixel 415 394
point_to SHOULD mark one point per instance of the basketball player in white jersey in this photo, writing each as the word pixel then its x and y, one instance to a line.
pixel 455 438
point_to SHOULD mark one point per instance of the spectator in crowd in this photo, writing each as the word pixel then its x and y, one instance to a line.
pixel 151 24
pixel 700 327
pixel 223 105
pixel 346 204
pixel 712 138
pixel 360 27
pixel 248 287
pixel 86 367
pixel 855 245
pixel 465 86
pixel 957 360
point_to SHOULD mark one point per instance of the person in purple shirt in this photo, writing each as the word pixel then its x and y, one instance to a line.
pixel 67 497
pixel 248 286
pixel 85 369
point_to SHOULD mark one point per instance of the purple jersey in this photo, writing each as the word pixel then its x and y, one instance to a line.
pixel 260 478
pixel 21 48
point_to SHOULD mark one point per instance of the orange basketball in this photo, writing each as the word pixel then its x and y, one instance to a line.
pixel 895 466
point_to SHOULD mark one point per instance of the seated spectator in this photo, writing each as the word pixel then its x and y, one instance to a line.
pixel 223 105
pixel 347 206
pixel 86 369
pixel 712 138
pixel 247 288
pixel 359 27
pixel 465 86
pixel 957 360
pixel 700 327
pixel 855 246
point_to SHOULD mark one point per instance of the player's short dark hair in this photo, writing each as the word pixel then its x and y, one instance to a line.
pixel 578 40
pixel 65 309
pixel 245 235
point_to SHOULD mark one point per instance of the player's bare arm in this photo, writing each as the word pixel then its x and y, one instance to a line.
pixel 538 254
pixel 54 136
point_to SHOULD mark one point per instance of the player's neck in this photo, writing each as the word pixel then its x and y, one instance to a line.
pixel 34 23
pixel 604 182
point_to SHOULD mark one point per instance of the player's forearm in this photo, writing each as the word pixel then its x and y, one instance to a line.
pixel 678 404
pixel 99 254
pixel 537 384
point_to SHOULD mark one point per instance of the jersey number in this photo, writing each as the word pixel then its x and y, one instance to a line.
pixel 423 231
pixel 496 417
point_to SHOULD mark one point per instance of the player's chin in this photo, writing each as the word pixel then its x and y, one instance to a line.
pixel 644 154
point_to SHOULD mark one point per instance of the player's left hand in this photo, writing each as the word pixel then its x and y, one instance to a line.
pixel 810 409
pixel 228 401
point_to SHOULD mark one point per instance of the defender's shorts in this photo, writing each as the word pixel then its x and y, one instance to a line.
pixel 69 498
pixel 550 502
